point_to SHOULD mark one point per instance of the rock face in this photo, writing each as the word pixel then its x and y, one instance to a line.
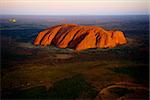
pixel 79 37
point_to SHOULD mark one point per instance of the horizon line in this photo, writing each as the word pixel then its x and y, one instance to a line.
pixel 72 14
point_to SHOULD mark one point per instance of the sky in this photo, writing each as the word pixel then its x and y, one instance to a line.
pixel 74 7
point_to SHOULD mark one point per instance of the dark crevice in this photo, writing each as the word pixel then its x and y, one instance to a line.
pixel 58 34
pixel 54 40
pixel 44 36
pixel 112 34
pixel 70 43
pixel 78 40
pixel 49 29
pixel 66 33
pixel 97 38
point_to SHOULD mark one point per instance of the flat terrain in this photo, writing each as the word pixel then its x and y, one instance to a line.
pixel 36 72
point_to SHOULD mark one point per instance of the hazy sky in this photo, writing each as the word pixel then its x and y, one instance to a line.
pixel 74 7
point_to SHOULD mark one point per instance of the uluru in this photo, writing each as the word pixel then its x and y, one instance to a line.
pixel 80 37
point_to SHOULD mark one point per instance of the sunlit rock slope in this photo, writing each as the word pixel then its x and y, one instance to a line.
pixel 80 37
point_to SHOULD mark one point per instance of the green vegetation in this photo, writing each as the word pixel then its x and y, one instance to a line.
pixel 50 72
pixel 34 92
pixel 139 73
pixel 121 91
pixel 72 88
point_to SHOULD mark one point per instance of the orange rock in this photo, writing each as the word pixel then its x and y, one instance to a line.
pixel 120 37
pixel 49 36
pixel 40 36
pixel 80 37
pixel 89 41
pixel 61 33
pixel 64 43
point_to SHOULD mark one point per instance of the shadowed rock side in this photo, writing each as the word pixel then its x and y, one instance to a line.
pixel 80 37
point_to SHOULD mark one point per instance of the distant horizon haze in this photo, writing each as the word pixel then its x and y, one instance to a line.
pixel 74 7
